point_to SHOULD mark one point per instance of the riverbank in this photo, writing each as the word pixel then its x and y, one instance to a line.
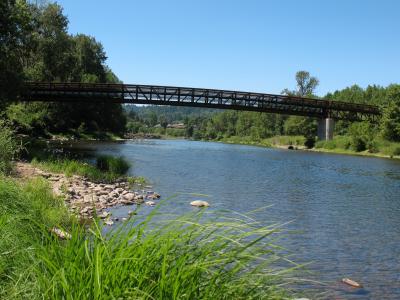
pixel 389 150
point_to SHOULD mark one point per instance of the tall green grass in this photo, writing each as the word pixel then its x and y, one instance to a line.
pixel 186 257
pixel 194 256
pixel 109 170
pixel 27 212
pixel 116 165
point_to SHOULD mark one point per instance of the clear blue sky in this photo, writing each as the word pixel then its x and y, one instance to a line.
pixel 245 45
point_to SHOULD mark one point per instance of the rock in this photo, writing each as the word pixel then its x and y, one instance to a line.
pixel 132 212
pixel 87 198
pixel 113 194
pixel 351 283
pixel 119 190
pixel 102 192
pixel 150 203
pixel 103 198
pixel 110 186
pixel 129 196
pixel 104 214
pixel 124 219
pixel 199 203
pixel 126 202
pixel 109 222
pixel 61 233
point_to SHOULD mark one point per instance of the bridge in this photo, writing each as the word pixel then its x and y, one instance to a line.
pixel 326 111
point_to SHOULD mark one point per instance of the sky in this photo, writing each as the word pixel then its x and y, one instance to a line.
pixel 245 45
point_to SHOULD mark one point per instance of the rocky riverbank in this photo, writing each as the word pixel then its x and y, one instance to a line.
pixel 87 199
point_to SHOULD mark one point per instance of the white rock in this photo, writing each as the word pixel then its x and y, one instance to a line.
pixel 150 203
pixel 129 196
pixel 108 222
pixel 199 203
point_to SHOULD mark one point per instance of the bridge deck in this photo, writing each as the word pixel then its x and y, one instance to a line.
pixel 198 97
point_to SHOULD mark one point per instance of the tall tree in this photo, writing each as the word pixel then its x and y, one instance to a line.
pixel 306 85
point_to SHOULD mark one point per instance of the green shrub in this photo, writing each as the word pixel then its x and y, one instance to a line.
pixel 358 144
pixel 9 147
pixel 309 142
pixel 116 165
pixel 373 146
pixel 396 151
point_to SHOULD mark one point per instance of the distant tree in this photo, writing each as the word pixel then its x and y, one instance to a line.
pixel 305 126
pixel 306 85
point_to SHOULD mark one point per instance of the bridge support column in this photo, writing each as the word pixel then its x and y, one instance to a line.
pixel 325 129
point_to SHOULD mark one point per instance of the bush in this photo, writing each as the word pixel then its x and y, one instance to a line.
pixel 373 147
pixel 9 147
pixel 358 144
pixel 116 165
pixel 396 151
pixel 309 142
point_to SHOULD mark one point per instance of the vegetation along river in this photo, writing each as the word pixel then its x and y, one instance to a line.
pixel 346 208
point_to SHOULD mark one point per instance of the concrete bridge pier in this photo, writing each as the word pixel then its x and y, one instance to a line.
pixel 325 129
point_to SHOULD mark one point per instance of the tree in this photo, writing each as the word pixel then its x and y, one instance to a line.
pixel 390 123
pixel 15 22
pixel 306 85
pixel 305 126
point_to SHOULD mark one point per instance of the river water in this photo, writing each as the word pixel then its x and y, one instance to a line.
pixel 346 209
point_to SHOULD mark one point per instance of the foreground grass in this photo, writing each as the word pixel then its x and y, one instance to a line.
pixel 187 257
pixel 26 212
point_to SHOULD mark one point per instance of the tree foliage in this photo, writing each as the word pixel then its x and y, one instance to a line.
pixel 36 46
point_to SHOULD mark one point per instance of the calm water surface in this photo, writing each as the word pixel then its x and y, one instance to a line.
pixel 346 208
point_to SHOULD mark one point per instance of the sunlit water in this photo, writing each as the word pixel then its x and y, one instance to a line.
pixel 346 208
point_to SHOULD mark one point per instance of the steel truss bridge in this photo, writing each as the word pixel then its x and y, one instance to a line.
pixel 197 97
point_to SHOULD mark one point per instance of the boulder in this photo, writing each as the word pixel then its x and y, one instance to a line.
pixel 129 196
pixel 150 203
pixel 199 203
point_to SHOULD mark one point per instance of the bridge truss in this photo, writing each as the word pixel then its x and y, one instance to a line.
pixel 198 97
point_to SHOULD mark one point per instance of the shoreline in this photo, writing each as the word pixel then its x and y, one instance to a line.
pixel 303 148
pixel 257 144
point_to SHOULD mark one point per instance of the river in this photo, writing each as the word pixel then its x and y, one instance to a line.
pixel 346 209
